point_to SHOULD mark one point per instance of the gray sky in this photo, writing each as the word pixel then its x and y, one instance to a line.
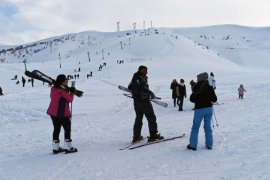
pixel 23 21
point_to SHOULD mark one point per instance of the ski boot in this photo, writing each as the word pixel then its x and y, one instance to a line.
pixel 69 148
pixel 56 148
pixel 154 137
pixel 136 139
pixel 191 148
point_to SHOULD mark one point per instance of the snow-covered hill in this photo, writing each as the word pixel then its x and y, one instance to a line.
pixel 246 46
pixel 103 118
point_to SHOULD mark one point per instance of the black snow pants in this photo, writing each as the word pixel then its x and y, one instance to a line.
pixel 57 123
pixel 181 102
pixel 144 108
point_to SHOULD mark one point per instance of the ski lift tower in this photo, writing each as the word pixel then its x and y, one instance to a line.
pixel 60 61
pixel 25 61
pixel 134 27
pixel 118 26
pixel 144 27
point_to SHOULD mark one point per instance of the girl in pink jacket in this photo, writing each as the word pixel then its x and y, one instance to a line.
pixel 60 113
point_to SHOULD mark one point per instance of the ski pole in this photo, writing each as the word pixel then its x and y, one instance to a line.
pixel 72 85
pixel 215 117
pixel 213 125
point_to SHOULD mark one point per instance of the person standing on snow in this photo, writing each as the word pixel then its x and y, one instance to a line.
pixel 1 92
pixel 23 81
pixel 212 81
pixel 142 106
pixel 241 91
pixel 181 93
pixel 60 113
pixel 192 84
pixel 174 84
pixel 203 96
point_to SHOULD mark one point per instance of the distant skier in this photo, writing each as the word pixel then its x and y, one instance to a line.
pixel 203 96
pixel 174 84
pixel 23 81
pixel 241 91
pixel 212 81
pixel 142 106
pixel 60 113
pixel 181 93
pixel 1 92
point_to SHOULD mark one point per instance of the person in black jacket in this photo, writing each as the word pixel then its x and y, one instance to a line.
pixel 1 92
pixel 181 93
pixel 142 105
pixel 203 96
pixel 174 85
pixel 23 81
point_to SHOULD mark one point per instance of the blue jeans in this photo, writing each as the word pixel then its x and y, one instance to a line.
pixel 199 115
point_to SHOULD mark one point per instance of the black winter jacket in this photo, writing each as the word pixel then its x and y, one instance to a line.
pixel 139 87
pixel 182 91
pixel 203 95
pixel 173 88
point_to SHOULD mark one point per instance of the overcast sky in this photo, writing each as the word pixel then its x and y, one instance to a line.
pixel 23 21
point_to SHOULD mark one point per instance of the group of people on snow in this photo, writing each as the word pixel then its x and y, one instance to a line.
pixel 179 91
pixel 203 96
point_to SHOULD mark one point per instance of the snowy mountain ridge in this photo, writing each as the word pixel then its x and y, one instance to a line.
pixel 232 42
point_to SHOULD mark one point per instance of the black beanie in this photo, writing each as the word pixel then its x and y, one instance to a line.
pixel 60 79
pixel 142 67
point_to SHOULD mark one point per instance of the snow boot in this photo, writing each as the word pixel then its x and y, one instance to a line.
pixel 69 148
pixel 136 139
pixel 154 137
pixel 191 148
pixel 209 147
pixel 56 148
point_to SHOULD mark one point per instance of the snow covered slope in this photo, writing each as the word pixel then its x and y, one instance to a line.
pixel 103 118
pixel 247 46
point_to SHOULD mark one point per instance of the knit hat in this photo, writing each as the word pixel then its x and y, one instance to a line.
pixel 202 76
pixel 142 67
pixel 60 79
pixel 182 81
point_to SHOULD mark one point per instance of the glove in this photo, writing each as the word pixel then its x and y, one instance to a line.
pixel 72 90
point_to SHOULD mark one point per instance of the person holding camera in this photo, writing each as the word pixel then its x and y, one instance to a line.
pixel 61 95
pixel 203 95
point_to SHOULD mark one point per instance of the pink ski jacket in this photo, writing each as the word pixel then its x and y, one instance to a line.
pixel 59 106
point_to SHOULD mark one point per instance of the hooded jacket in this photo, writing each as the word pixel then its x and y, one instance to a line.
pixel 203 95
